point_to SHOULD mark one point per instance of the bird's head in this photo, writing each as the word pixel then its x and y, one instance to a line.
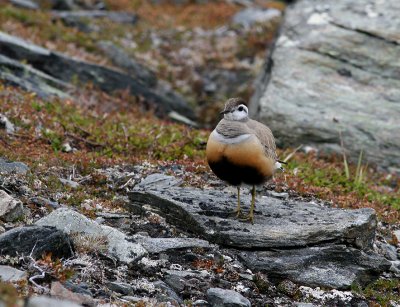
pixel 236 109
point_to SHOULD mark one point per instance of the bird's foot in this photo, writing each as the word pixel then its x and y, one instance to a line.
pixel 237 213
pixel 248 218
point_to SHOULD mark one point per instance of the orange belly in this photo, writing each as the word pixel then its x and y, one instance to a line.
pixel 244 162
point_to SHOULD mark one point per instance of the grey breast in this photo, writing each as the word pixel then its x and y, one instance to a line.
pixel 232 129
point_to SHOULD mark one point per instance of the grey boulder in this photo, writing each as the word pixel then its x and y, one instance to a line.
pixel 335 74
pixel 337 267
pixel 10 274
pixel 35 241
pixel 218 297
pixel 117 243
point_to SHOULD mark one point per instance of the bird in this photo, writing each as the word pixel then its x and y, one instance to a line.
pixel 241 150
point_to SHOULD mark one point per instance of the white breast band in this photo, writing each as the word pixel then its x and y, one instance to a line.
pixel 223 139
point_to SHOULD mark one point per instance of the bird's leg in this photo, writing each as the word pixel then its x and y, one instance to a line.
pixel 238 210
pixel 253 200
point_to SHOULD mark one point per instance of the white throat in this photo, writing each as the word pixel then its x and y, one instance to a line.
pixel 239 114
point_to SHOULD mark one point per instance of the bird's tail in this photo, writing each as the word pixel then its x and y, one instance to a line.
pixel 278 165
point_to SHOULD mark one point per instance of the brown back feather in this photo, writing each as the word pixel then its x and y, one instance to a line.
pixel 264 134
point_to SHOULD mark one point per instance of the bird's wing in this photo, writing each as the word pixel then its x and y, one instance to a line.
pixel 264 134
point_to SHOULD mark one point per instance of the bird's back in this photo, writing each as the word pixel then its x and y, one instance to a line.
pixel 264 134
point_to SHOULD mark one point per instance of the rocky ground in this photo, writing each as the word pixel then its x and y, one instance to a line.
pixel 105 197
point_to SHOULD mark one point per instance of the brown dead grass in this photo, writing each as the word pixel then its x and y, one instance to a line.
pixel 168 15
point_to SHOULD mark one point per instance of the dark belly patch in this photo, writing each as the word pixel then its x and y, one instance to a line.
pixel 236 174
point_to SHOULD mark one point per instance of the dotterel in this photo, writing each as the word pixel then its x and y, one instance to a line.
pixel 242 150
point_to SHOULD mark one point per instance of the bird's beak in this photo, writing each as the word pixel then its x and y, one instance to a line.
pixel 224 112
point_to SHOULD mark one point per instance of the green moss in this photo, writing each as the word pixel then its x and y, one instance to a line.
pixel 382 291
pixel 335 178
pixel 17 14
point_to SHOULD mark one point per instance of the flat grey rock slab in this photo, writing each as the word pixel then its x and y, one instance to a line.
pixel 46 301
pixel 35 241
pixel 157 180
pixel 337 267
pixel 65 69
pixel 277 222
pixel 335 69
pixel 159 245
pixel 226 298
pixel 122 59
pixel 26 4
pixel 72 222
pixel 24 76
pixel 83 15
pixel 10 274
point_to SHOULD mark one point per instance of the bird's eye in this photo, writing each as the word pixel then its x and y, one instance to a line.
pixel 240 108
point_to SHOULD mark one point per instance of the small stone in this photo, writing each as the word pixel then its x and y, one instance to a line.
pixel 132 299
pixel 11 209
pixel 66 147
pixel 171 294
pixel 6 124
pixel 387 250
pixel 81 288
pixel 201 303
pixel 120 287
pixel 220 297
pixel 13 167
pixel 177 279
pixel 395 267
pixel 10 274
pixel 59 291
pixel 45 301
pixel 246 276
pixel 40 201
pixel 70 183
pixel 396 233
pixel 282 195
pixel 250 16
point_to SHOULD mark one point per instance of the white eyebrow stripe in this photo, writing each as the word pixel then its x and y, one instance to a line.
pixel 223 139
